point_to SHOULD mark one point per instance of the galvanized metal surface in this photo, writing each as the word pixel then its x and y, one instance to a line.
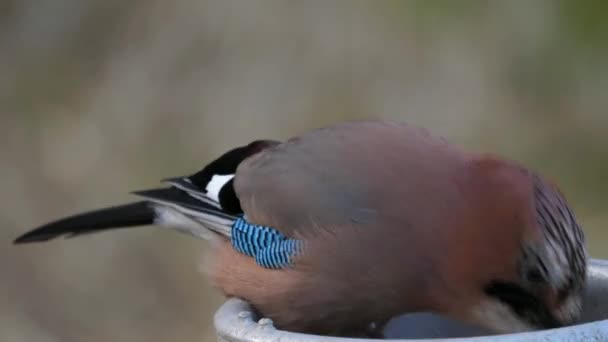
pixel 234 322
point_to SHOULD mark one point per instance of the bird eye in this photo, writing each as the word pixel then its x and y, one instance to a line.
pixel 565 291
pixel 533 275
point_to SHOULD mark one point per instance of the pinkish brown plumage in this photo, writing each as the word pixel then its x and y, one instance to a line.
pixel 393 220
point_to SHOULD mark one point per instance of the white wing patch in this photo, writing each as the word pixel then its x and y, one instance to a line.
pixel 215 185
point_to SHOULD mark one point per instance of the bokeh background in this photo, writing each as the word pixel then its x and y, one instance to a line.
pixel 101 97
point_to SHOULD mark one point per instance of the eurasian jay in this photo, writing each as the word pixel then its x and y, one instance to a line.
pixel 355 223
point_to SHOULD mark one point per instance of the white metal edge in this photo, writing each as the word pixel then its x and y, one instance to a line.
pixel 234 323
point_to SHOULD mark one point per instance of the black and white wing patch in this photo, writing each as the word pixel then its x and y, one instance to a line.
pixel 214 184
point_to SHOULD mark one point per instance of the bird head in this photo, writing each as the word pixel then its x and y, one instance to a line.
pixel 546 286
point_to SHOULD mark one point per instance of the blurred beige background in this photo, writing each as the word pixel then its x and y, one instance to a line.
pixel 101 97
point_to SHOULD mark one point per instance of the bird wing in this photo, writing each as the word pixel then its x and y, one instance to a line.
pixel 351 174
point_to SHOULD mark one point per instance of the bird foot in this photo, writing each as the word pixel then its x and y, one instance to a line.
pixel 266 322
pixel 374 330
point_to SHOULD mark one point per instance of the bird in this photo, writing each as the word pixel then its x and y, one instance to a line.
pixel 339 229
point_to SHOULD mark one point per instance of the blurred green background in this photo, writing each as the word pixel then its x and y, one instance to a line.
pixel 101 97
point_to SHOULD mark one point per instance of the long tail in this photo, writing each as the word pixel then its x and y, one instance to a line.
pixel 123 216
pixel 170 207
pixel 204 205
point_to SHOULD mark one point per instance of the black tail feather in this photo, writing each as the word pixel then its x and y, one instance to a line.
pixel 128 215
pixel 188 195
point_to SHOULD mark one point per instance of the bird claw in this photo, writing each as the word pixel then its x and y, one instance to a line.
pixel 374 330
pixel 265 322
pixel 244 314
